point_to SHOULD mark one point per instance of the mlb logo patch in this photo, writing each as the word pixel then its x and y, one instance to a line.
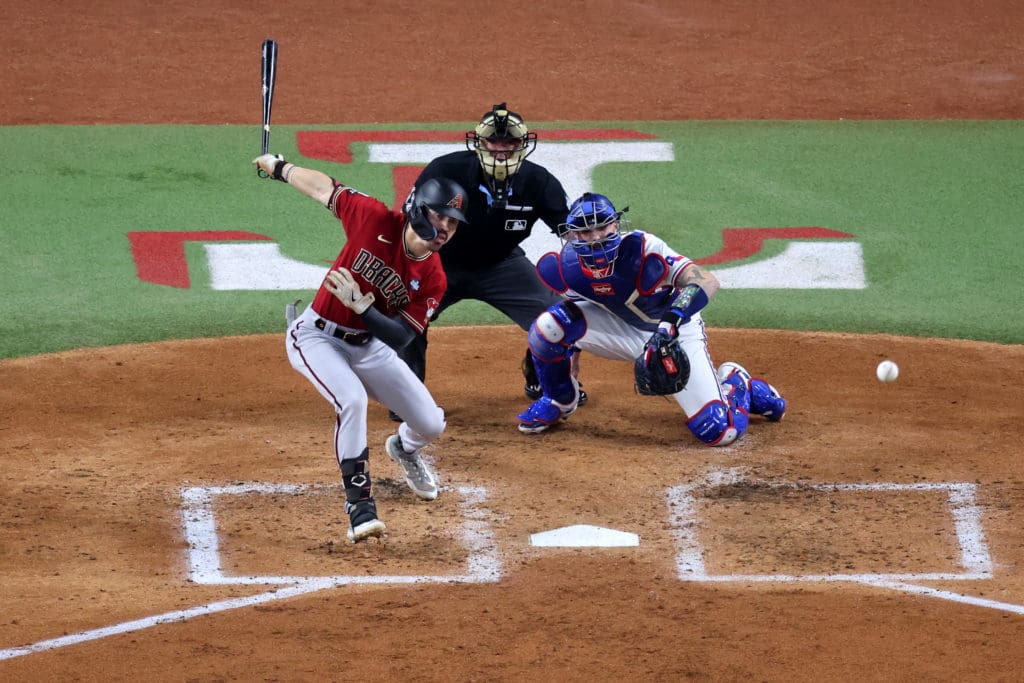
pixel 515 225
pixel 603 289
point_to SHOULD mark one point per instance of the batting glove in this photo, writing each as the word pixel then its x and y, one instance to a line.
pixel 274 166
pixel 342 285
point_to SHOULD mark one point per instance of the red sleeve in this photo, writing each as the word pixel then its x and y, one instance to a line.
pixel 356 210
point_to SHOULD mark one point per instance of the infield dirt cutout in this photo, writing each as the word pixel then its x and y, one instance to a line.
pixel 100 446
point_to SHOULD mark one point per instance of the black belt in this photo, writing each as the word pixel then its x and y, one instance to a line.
pixel 355 338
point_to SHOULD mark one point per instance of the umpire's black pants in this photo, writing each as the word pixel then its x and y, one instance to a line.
pixel 511 286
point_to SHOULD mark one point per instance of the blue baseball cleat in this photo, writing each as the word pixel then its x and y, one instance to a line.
pixel 543 414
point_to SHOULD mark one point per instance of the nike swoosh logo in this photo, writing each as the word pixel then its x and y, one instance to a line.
pixel 381 238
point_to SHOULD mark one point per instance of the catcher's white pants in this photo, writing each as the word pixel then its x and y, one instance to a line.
pixel 348 376
pixel 609 336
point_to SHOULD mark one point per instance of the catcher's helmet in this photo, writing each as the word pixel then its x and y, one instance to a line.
pixel 501 125
pixel 592 211
pixel 442 195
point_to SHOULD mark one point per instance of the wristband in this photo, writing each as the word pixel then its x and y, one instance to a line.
pixel 281 172
pixel 690 300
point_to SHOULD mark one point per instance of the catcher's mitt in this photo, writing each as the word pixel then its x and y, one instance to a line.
pixel 662 368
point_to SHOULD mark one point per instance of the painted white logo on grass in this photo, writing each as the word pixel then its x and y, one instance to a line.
pixel 803 265
pixel 571 162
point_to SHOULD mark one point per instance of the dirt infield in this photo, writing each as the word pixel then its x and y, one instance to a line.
pixel 110 508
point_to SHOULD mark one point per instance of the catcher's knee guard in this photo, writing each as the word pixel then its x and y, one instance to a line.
pixel 552 336
pixel 718 424
pixel 555 330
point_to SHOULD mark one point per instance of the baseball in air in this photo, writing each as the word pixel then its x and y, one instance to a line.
pixel 887 371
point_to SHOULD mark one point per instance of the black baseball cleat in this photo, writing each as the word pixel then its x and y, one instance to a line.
pixel 393 416
pixel 364 522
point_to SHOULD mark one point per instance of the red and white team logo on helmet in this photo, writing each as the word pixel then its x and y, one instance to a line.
pixel 457 201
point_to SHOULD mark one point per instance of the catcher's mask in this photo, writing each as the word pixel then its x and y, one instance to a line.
pixel 501 125
pixel 590 212
pixel 442 195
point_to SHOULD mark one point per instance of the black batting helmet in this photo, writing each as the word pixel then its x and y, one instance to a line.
pixel 442 195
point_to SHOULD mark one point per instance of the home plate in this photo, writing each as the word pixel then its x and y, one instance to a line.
pixel 584 536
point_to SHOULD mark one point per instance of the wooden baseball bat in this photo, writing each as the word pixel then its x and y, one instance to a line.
pixel 269 54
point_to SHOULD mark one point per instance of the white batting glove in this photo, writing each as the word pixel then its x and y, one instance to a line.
pixel 274 166
pixel 343 286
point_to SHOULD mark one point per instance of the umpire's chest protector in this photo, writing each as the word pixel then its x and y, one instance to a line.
pixel 635 291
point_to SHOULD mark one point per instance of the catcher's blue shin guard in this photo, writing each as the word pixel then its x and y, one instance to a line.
pixel 764 398
pixel 552 336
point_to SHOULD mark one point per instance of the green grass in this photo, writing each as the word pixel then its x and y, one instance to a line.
pixel 936 206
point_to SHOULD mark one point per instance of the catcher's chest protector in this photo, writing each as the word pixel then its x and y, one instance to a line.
pixel 633 291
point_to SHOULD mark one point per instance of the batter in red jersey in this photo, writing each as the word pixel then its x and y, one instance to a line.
pixel 381 292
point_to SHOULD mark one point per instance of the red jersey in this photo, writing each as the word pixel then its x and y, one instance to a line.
pixel 376 255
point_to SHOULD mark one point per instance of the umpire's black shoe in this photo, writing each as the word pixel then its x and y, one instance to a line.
pixel 532 388
pixel 364 522
pixel 534 392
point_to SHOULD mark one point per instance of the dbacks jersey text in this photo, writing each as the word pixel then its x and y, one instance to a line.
pixel 375 253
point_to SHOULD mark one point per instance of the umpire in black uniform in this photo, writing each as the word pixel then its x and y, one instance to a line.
pixel 507 194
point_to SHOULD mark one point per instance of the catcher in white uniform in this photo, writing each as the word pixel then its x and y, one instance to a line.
pixel 631 297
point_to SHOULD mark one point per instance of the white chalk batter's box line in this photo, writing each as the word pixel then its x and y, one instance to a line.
pixel 200 529
pixel 974 554
pixel 484 565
